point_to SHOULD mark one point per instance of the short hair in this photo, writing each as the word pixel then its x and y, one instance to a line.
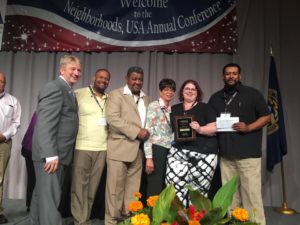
pixel 102 69
pixel 199 90
pixel 66 59
pixel 232 65
pixel 166 82
pixel 134 69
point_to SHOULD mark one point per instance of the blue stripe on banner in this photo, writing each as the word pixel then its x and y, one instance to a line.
pixel 132 23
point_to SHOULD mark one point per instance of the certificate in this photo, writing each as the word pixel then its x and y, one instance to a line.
pixel 225 123
pixel 183 131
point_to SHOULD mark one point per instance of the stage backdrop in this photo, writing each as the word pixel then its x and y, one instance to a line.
pixel 120 25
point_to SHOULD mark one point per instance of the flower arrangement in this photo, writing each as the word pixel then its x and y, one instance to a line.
pixel 166 209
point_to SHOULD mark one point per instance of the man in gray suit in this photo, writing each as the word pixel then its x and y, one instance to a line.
pixel 53 141
pixel 125 114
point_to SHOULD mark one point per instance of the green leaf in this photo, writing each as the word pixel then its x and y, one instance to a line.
pixel 212 217
pixel 162 206
pixel 198 200
pixel 224 196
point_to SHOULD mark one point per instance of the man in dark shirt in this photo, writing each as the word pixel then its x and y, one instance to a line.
pixel 240 150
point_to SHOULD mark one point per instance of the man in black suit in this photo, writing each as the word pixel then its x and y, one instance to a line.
pixel 53 141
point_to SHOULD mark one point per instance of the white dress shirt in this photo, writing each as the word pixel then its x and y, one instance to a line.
pixel 10 115
pixel 139 102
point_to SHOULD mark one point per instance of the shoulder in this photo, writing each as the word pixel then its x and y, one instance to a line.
pixel 82 90
pixel 11 97
pixel 176 106
pixel 117 91
pixel 217 94
pixel 251 91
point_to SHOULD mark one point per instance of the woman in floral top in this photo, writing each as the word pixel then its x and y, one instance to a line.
pixel 157 146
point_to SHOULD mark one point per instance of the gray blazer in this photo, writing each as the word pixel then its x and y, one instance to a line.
pixel 57 123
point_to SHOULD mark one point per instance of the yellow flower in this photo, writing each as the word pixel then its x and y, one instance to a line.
pixel 194 222
pixel 138 195
pixel 140 219
pixel 135 206
pixel 152 200
pixel 240 214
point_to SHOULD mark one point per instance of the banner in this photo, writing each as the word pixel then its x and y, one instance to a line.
pixel 276 139
pixel 2 14
pixel 121 25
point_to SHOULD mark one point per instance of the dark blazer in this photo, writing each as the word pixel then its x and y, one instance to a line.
pixel 57 123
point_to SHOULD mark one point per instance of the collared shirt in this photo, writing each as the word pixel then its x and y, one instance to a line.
pixel 248 104
pixel 139 102
pixel 159 127
pixel 92 132
pixel 10 115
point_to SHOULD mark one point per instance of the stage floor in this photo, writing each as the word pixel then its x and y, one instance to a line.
pixel 15 211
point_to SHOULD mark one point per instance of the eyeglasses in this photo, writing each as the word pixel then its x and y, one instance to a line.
pixel 190 89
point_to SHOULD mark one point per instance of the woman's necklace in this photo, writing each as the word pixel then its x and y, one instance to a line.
pixel 188 108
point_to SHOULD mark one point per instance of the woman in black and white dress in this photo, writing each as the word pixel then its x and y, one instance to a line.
pixel 193 162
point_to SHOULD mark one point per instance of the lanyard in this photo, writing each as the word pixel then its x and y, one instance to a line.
pixel 227 103
pixel 163 111
pixel 97 100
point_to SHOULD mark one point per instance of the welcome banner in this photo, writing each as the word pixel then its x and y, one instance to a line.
pixel 120 25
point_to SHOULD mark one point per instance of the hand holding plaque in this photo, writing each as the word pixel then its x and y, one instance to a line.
pixel 183 130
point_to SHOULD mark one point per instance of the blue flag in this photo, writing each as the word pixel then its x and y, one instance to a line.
pixel 276 140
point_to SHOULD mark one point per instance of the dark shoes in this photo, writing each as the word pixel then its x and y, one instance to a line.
pixel 3 219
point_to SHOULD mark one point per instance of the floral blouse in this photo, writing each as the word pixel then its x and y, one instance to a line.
pixel 158 124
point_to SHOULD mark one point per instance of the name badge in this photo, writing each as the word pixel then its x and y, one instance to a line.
pixel 101 122
pixel 225 115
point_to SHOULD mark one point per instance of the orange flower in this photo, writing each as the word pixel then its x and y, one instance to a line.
pixel 164 224
pixel 138 195
pixel 240 214
pixel 152 200
pixel 135 206
pixel 140 219
pixel 194 222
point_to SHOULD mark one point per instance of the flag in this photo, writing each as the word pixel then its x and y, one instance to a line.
pixel 276 139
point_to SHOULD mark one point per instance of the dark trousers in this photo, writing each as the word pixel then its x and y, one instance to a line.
pixel 156 180
pixel 30 181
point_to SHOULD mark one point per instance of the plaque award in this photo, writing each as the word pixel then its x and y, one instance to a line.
pixel 183 131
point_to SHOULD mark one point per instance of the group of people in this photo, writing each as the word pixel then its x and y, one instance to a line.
pixel 126 132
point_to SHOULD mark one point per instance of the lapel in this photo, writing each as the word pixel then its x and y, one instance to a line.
pixel 68 92
pixel 131 103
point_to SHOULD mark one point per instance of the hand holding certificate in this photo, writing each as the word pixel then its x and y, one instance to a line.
pixel 225 123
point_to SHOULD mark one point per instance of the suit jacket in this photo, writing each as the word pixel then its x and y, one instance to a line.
pixel 124 125
pixel 57 123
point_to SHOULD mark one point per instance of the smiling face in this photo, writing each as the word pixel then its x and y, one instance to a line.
pixel 231 76
pixel 71 72
pixel 167 94
pixel 101 81
pixel 135 82
pixel 189 93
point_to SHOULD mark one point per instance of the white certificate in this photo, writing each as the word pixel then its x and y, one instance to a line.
pixel 225 123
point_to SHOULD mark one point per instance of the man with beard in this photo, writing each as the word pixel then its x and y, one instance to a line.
pixel 126 115
pixel 240 151
pixel 91 146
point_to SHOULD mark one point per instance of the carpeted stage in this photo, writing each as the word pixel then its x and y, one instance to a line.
pixel 15 211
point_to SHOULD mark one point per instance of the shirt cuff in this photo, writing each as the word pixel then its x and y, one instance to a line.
pixel 148 156
pixel 49 159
